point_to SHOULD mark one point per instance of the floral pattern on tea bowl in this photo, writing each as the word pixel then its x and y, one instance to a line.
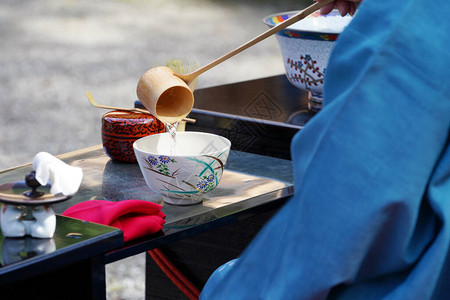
pixel 194 169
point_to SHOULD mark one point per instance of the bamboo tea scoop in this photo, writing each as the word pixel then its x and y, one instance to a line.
pixel 138 110
pixel 167 95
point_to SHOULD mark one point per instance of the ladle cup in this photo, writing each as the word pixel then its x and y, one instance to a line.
pixel 167 95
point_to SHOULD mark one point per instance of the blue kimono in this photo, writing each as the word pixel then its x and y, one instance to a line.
pixel 370 218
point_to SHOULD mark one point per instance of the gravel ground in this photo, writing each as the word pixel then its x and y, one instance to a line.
pixel 52 51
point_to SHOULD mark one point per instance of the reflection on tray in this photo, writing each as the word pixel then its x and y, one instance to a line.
pixel 237 190
pixel 18 249
pixel 235 187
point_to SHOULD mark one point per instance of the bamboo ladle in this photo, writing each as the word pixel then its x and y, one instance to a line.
pixel 167 95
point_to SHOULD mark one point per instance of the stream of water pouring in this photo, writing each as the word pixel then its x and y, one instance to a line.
pixel 171 128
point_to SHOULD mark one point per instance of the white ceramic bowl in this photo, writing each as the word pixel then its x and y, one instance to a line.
pixel 305 48
pixel 185 171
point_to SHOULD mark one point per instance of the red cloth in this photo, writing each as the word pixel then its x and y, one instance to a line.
pixel 136 218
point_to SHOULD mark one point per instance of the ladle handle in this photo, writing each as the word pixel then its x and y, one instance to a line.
pixel 295 18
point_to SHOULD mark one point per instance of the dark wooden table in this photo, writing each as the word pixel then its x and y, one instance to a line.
pixel 258 179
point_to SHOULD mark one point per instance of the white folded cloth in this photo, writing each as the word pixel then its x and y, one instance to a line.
pixel 63 178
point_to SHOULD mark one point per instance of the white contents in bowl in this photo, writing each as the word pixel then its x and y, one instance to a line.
pixel 326 24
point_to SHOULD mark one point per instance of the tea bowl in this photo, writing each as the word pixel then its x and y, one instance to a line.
pixel 306 46
pixel 185 170
pixel 121 129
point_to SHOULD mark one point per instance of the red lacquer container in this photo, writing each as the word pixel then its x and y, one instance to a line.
pixel 121 129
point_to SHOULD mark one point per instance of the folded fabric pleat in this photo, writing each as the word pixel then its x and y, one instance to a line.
pixel 136 218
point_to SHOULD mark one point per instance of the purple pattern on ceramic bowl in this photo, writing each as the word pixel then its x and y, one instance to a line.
pixel 185 171
pixel 306 47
